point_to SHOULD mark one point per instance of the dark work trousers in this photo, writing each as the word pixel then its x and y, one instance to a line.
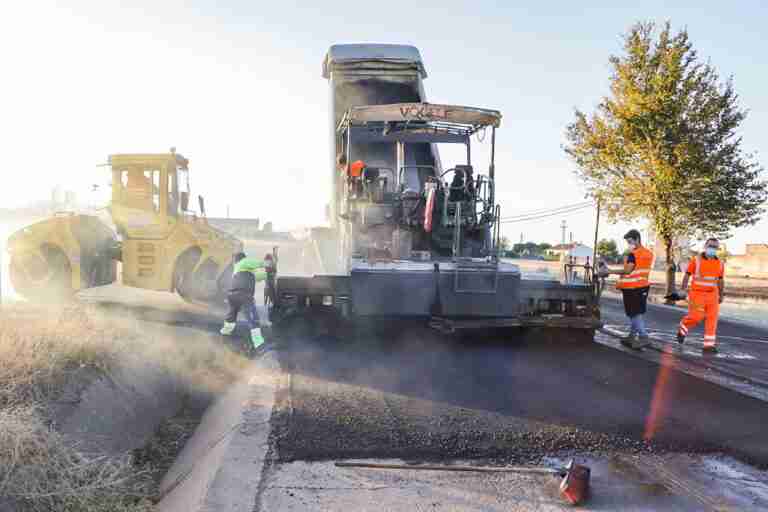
pixel 269 288
pixel 635 305
pixel 635 301
pixel 242 301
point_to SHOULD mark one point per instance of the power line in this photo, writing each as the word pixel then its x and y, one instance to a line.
pixel 510 220
pixel 548 211
pixel 543 217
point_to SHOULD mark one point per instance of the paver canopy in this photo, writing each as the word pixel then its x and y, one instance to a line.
pixel 402 112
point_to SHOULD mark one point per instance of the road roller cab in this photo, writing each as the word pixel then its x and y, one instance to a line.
pixel 166 245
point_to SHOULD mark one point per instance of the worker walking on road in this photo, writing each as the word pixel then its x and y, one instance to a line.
pixel 706 273
pixel 247 272
pixel 634 285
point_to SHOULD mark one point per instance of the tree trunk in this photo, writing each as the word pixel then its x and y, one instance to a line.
pixel 671 274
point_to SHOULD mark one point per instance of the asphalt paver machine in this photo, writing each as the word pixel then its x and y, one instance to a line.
pixel 414 241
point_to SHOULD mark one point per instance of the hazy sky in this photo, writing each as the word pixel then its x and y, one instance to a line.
pixel 236 87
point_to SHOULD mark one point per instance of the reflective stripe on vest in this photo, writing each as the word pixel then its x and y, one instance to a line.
pixel 706 282
pixel 638 278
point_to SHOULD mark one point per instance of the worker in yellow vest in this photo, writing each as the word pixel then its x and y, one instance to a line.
pixel 706 272
pixel 246 273
pixel 634 285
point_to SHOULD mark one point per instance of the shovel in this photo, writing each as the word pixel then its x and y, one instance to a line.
pixel 574 486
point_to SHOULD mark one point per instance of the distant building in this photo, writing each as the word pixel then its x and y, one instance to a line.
pixel 753 263
pixel 579 252
pixel 578 255
pixel 561 250
pixel 249 229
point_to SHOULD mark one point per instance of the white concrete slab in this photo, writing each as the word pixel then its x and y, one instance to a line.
pixel 631 483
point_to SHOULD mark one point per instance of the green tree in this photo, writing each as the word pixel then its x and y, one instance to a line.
pixel 531 248
pixel 608 250
pixel 664 144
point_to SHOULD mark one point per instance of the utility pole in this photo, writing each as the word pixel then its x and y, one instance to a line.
pixel 227 211
pixel 597 230
pixel 563 226
pixel 521 237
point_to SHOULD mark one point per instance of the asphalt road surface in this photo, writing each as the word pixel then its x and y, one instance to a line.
pixel 743 346
pixel 419 396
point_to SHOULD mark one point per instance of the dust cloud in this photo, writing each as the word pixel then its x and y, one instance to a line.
pixel 7 228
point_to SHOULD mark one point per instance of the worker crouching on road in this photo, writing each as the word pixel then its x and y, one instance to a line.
pixel 706 274
pixel 247 272
pixel 634 285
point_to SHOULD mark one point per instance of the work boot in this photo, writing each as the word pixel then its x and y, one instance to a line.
pixel 709 349
pixel 680 337
pixel 228 329
pixel 256 338
pixel 627 340
pixel 642 341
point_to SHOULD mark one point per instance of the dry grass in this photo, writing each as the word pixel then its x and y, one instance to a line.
pixel 41 472
pixel 40 350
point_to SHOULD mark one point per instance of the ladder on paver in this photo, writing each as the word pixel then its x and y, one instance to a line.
pixel 468 267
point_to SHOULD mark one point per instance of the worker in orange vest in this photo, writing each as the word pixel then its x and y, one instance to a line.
pixel 354 175
pixel 356 169
pixel 706 274
pixel 634 285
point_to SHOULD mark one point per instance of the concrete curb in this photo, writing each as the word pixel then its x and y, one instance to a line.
pixel 220 468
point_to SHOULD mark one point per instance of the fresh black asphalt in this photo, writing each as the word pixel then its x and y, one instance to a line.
pixel 417 395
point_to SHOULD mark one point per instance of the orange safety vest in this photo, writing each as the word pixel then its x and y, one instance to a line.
pixel 639 276
pixel 356 168
pixel 707 272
